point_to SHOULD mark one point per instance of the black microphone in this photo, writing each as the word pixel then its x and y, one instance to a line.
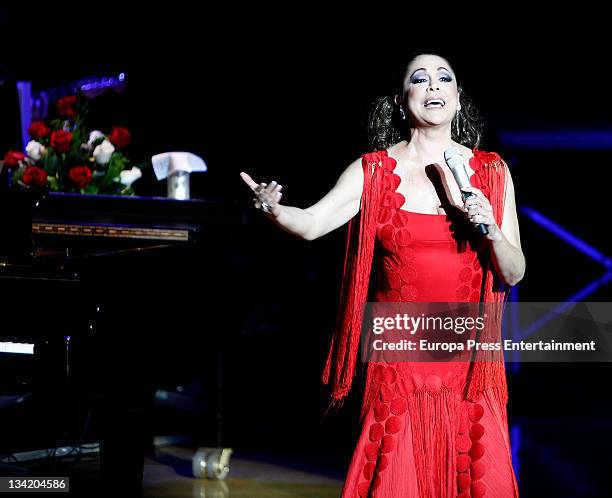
pixel 454 160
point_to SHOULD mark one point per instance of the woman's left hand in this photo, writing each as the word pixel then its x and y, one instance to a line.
pixel 479 210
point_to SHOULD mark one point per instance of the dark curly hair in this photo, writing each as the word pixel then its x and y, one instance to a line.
pixel 386 126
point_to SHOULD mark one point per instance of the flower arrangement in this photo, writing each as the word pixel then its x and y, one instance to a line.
pixel 63 156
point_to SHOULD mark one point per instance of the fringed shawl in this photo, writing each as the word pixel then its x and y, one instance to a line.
pixel 487 367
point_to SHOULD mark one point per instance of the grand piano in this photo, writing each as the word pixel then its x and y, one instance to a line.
pixel 106 299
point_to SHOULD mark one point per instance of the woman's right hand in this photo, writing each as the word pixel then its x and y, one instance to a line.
pixel 338 206
pixel 267 197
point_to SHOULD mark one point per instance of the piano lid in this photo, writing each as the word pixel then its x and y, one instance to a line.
pixel 132 217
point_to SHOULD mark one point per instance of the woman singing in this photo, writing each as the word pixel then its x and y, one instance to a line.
pixel 428 429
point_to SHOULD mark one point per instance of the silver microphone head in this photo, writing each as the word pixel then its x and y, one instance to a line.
pixel 453 158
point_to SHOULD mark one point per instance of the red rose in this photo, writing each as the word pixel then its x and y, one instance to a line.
pixel 33 175
pixel 13 158
pixel 67 107
pixel 81 175
pixel 61 140
pixel 120 137
pixel 38 130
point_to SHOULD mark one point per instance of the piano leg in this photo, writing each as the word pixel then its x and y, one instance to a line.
pixel 125 438
pixel 121 382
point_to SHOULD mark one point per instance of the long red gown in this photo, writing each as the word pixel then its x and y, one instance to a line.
pixel 420 436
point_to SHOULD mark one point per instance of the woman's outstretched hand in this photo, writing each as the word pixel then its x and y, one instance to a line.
pixel 267 197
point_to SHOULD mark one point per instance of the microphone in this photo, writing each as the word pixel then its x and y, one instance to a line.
pixel 454 160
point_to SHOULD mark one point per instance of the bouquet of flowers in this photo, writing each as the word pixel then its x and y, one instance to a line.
pixel 63 156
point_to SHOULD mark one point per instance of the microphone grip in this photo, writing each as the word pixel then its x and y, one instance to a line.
pixel 481 227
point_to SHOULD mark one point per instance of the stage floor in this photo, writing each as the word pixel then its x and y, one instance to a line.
pixel 167 474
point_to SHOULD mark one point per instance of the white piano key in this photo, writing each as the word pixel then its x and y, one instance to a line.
pixel 16 348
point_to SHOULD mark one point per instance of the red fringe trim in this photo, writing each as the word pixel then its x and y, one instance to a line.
pixel 487 368
pixel 431 416
pixel 342 357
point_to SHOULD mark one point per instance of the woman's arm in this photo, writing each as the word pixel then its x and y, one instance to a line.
pixel 337 207
pixel 508 257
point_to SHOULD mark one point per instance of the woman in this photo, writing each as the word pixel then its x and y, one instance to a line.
pixel 429 429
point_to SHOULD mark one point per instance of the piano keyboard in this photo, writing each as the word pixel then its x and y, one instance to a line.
pixel 126 232
pixel 16 348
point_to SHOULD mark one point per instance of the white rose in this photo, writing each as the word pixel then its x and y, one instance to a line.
pixel 35 150
pixel 129 176
pixel 93 136
pixel 103 152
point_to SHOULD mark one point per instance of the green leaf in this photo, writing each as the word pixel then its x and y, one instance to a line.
pixel 91 189
pixel 51 164
pixel 116 165
pixel 53 184
pixel 18 174
pixel 76 139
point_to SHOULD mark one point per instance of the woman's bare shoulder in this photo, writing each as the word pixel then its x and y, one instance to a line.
pixel 396 147
pixel 466 152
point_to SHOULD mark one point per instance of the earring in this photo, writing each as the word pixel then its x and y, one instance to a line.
pixel 457 126
pixel 458 106
pixel 402 113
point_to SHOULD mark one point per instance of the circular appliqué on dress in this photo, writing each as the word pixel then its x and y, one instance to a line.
pixel 477 470
pixel 381 412
pixel 409 254
pixel 403 237
pixel 476 451
pixel 476 432
pixel 466 257
pixel 393 279
pixel 382 463
pixel 389 375
pixel 386 393
pixel 399 220
pixel 463 292
pixel 376 432
pixel 408 273
pixel 463 463
pixel 393 425
pixel 478 489
pixel 368 470
pixel 384 215
pixel 409 292
pixel 463 482
pixel 388 444
pixel 398 200
pixel 394 296
pixel 363 489
pixel 371 451
pixel 387 232
pixel 395 181
pixel 475 411
pixel 465 274
pixel 463 443
pixel 399 406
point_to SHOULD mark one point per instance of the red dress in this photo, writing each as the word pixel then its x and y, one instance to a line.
pixel 420 436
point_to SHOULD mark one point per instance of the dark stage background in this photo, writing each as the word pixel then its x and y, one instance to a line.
pixel 287 100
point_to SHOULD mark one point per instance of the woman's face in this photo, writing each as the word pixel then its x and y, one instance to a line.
pixel 430 91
